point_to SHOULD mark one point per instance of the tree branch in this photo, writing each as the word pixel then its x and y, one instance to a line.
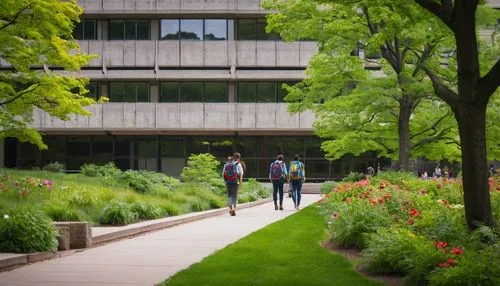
pixel 13 20
pixel 438 10
pixel 28 90
pixel 490 82
pixel 433 127
pixel 446 94
pixel 427 140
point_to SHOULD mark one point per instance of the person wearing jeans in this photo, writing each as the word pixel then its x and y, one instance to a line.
pixel 278 175
pixel 297 174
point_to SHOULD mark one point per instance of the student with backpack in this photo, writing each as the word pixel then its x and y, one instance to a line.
pixel 278 175
pixel 233 176
pixel 297 174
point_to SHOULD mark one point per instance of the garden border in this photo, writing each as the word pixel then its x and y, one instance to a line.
pixel 10 261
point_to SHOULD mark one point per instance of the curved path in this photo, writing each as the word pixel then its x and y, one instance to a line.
pixel 151 258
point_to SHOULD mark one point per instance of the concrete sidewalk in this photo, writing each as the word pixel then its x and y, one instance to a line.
pixel 151 258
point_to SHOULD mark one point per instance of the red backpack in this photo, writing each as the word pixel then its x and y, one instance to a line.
pixel 276 172
pixel 230 172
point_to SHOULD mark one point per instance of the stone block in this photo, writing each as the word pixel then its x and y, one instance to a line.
pixel 64 237
pixel 80 233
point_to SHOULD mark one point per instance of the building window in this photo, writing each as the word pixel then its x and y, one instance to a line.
pixel 266 92
pixel 85 30
pixel 262 91
pixel 254 29
pixel 129 30
pixel 281 92
pixel 194 92
pixel 93 88
pixel 128 92
pixel 194 29
pixel 215 30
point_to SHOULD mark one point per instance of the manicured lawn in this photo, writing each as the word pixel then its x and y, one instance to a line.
pixel 287 252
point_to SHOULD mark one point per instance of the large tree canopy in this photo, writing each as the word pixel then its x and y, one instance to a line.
pixel 397 114
pixel 36 35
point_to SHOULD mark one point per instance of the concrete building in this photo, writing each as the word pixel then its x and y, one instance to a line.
pixel 184 77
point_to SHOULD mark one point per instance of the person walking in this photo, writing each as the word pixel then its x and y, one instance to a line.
pixel 297 175
pixel 278 175
pixel 233 176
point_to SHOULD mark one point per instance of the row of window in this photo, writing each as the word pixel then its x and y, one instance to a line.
pixel 179 29
pixel 186 91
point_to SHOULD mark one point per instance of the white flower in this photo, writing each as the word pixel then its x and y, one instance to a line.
pixel 6 216
pixel 457 206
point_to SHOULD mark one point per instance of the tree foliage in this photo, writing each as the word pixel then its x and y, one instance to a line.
pixel 36 35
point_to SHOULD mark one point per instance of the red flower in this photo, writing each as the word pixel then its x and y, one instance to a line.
pixel 360 196
pixel 380 200
pixel 444 265
pixel 457 251
pixel 452 261
pixel 348 200
pixel 411 221
pixel 413 212
pixel 441 244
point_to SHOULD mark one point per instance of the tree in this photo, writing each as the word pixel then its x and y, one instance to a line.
pixel 377 106
pixel 469 99
pixel 36 35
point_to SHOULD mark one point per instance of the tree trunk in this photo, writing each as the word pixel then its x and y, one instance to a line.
pixel 472 127
pixel 405 110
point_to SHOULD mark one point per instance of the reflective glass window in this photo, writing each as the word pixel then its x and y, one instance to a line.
pixel 169 30
pixel 215 30
pixel 216 92
pixel 191 29
pixel 169 92
pixel 191 92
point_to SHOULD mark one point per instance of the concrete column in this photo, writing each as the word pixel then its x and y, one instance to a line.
pixel 232 91
pixel 103 30
pixel 154 92
pixel 155 29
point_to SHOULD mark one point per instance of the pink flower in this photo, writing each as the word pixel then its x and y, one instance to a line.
pixel 457 251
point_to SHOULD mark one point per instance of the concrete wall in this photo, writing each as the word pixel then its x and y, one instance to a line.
pixel 199 53
pixel 170 6
pixel 180 116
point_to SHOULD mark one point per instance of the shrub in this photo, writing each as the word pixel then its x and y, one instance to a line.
pixel 93 170
pixel 169 208
pixel 354 177
pixel 473 268
pixel 395 177
pixel 117 213
pixel 26 230
pixel 146 211
pixel 400 251
pixel 55 167
pixel 254 189
pixel 327 187
pixel 137 181
pixel 356 218
pixel 199 204
pixel 201 168
pixel 61 212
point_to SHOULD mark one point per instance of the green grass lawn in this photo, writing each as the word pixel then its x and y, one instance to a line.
pixel 287 252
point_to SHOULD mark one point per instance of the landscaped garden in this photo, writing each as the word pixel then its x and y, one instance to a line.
pixel 104 195
pixel 415 228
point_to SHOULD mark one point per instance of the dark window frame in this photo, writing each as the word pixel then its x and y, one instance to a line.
pixel 82 23
pixel 203 26
pixel 123 85
pixel 148 38
pixel 203 88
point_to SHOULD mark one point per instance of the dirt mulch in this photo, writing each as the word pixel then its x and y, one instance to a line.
pixel 352 253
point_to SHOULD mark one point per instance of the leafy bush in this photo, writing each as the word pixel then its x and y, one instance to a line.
pixel 395 177
pixel 354 177
pixel 473 268
pixel 55 167
pixel 93 170
pixel 355 218
pixel 199 204
pixel 201 168
pixel 24 230
pixel 146 211
pixel 400 251
pixel 61 212
pixel 146 181
pixel 169 208
pixel 117 213
pixel 253 190
pixel 327 187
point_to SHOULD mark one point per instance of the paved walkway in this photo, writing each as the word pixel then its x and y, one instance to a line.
pixel 151 258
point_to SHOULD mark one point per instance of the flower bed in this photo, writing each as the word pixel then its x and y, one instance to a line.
pixel 416 228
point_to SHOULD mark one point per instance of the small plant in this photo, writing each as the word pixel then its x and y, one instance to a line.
pixel 61 212
pixel 354 177
pixel 93 170
pixel 146 211
pixel 24 230
pixel 169 208
pixel 201 168
pixel 117 213
pixel 327 187
pixel 55 167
